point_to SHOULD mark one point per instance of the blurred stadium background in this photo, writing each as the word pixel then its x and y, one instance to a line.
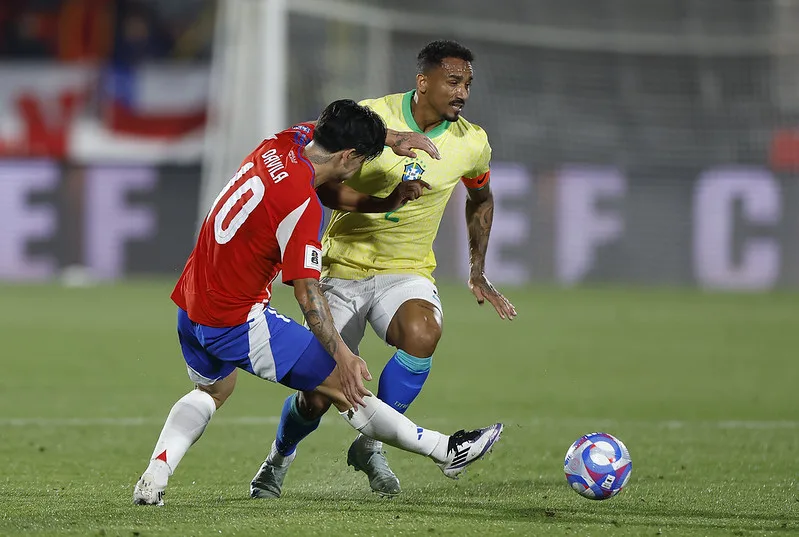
pixel 635 142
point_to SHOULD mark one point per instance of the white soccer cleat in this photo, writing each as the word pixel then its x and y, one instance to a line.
pixel 466 447
pixel 149 490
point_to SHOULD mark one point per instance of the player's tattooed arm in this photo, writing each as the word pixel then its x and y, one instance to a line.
pixel 403 143
pixel 479 217
pixel 316 311
pixel 345 198
pixel 352 369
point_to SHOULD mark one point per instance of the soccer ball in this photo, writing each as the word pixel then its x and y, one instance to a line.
pixel 598 466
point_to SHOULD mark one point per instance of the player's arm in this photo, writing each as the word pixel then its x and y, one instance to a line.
pixel 316 311
pixel 479 217
pixel 301 266
pixel 403 143
pixel 341 197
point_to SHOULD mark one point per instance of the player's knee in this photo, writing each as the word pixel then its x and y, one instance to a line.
pixel 312 405
pixel 218 396
pixel 420 337
pixel 221 389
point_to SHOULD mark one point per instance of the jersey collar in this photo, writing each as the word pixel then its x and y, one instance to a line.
pixel 408 116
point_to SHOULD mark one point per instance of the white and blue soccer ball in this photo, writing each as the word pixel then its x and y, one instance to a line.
pixel 598 466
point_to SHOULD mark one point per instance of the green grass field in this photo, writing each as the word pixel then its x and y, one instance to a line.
pixel 701 387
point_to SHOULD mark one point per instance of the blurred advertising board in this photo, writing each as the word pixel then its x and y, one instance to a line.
pixel 726 227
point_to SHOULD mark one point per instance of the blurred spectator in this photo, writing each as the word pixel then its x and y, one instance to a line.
pixel 85 29
pixel 139 35
pixel 29 28
pixel 124 31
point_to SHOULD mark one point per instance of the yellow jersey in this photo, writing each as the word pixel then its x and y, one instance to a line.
pixel 359 245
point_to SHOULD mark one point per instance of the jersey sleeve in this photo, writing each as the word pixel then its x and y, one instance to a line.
pixel 368 103
pixel 303 133
pixel 480 175
pixel 298 237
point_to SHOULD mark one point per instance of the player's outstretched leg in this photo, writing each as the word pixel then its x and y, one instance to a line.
pixel 451 453
pixel 184 426
pixel 293 427
pixel 377 420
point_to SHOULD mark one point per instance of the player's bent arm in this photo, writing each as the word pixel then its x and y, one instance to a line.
pixel 341 197
pixel 344 198
pixel 316 311
pixel 403 143
pixel 479 217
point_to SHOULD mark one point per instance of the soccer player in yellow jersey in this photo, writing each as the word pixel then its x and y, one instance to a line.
pixel 378 265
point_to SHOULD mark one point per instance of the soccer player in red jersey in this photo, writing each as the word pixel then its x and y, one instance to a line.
pixel 268 219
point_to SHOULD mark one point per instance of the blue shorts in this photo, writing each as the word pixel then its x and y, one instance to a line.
pixel 268 345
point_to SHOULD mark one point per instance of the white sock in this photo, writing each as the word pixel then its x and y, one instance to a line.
pixel 381 422
pixel 184 425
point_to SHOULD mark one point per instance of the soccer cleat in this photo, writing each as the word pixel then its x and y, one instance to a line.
pixel 374 464
pixel 465 447
pixel 148 491
pixel 268 482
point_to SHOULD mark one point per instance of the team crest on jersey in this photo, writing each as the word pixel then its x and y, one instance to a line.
pixel 413 171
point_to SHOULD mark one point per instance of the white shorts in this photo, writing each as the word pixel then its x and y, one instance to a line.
pixel 374 299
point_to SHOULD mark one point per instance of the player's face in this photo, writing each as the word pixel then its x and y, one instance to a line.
pixel 447 87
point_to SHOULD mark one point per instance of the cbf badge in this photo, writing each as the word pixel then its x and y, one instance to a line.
pixel 413 171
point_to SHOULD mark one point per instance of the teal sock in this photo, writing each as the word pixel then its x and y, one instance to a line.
pixel 402 380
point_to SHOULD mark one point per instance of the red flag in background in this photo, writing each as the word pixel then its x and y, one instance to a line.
pixel 153 102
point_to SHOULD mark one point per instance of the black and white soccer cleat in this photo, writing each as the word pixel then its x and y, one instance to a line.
pixel 466 447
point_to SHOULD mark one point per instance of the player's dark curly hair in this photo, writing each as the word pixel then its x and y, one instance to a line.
pixel 345 124
pixel 433 53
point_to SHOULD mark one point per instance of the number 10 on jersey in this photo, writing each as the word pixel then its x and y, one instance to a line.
pixel 248 193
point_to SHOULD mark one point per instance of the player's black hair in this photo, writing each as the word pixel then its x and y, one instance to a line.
pixel 434 53
pixel 345 124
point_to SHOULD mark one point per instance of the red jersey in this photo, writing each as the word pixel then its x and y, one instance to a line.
pixel 267 219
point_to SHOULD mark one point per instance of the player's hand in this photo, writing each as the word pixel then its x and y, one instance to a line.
pixel 404 143
pixel 483 290
pixel 352 372
pixel 404 192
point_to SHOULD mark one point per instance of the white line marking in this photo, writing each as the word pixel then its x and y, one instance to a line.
pixel 586 423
